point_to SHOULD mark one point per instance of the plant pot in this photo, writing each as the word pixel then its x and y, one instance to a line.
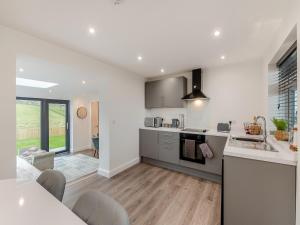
pixel 281 135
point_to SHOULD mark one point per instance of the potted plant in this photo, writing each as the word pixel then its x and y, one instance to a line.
pixel 281 125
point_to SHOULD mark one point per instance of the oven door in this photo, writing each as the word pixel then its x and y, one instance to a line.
pixel 190 148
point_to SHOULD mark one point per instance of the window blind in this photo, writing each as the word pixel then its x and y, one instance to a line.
pixel 287 88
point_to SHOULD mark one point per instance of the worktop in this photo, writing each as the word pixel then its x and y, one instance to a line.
pixel 177 130
pixel 283 156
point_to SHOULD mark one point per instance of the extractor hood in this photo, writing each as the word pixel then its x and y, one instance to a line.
pixel 196 87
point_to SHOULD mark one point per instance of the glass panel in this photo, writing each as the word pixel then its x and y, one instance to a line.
pixel 28 130
pixel 57 127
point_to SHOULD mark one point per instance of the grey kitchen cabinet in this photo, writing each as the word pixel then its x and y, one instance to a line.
pixel 166 93
pixel 149 143
pixel 168 147
pixel 159 145
pixel 257 192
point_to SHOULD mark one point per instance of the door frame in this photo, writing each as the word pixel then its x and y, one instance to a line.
pixel 45 122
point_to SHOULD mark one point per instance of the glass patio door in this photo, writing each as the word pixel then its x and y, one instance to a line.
pixel 42 124
pixel 28 121
pixel 58 128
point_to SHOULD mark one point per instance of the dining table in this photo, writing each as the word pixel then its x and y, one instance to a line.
pixel 28 203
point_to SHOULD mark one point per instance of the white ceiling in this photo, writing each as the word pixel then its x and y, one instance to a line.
pixel 173 34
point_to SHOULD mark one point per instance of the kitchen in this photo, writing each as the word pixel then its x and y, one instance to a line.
pixel 250 169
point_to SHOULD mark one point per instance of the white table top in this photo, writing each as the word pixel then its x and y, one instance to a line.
pixel 28 203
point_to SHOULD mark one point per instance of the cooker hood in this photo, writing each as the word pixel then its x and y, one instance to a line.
pixel 196 87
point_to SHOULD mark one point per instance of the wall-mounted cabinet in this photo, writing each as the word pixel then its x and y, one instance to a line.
pixel 165 93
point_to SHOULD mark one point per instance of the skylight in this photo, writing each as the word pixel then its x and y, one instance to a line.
pixel 34 83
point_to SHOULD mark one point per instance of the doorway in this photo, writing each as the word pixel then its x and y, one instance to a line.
pixel 43 124
pixel 95 126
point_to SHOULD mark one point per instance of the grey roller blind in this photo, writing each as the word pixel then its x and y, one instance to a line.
pixel 287 88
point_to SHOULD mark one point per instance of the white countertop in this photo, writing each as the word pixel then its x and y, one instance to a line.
pixel 209 132
pixel 283 156
pixel 28 203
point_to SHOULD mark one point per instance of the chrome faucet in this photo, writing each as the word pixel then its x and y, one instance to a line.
pixel 265 126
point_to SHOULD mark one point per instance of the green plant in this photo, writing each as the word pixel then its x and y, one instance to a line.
pixel 280 124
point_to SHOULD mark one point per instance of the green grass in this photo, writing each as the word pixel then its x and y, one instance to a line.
pixel 55 142
pixel 28 116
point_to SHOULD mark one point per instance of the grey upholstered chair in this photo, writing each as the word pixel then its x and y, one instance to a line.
pixel 96 208
pixel 54 182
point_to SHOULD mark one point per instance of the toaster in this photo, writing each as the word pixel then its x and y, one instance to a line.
pixel 153 122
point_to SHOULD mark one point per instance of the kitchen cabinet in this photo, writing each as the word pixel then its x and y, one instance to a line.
pixel 168 147
pixel 258 192
pixel 149 143
pixel 166 93
pixel 163 146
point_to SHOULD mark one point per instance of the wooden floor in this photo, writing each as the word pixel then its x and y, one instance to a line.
pixel 156 196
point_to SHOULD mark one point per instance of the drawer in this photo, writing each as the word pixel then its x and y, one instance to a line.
pixel 169 153
pixel 168 137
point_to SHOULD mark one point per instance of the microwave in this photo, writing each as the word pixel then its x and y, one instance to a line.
pixel 153 122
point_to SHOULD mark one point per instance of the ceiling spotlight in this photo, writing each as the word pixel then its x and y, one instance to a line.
pixel 162 70
pixel 217 33
pixel 140 58
pixel 21 70
pixel 92 30
pixel 223 57
pixel 83 82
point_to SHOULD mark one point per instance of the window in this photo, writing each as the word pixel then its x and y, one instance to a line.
pixel 287 87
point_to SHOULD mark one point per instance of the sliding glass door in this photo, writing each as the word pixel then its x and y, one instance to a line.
pixel 43 123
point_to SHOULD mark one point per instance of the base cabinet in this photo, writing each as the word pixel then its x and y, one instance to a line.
pixel 257 192
pixel 149 143
pixel 168 147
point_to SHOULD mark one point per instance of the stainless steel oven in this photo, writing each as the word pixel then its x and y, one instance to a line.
pixel 190 147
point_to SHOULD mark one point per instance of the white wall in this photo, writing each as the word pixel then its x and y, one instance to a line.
pixel 81 138
pixel 121 96
pixel 235 94
pixel 8 109
pixel 289 23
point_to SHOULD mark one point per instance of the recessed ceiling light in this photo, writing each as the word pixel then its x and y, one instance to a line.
pixel 223 57
pixel 140 58
pixel 21 70
pixel 92 30
pixel 217 33
pixel 21 201
pixel 34 83
pixel 83 82
pixel 162 70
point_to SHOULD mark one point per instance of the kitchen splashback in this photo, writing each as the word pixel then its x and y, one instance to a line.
pixel 195 115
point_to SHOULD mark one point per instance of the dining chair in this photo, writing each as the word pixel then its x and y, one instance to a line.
pixel 54 182
pixel 96 208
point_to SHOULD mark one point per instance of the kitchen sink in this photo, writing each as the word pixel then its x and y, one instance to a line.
pixel 251 143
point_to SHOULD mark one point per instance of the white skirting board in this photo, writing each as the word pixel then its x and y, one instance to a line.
pixel 125 166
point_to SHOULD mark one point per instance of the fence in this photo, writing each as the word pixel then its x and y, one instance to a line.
pixel 31 133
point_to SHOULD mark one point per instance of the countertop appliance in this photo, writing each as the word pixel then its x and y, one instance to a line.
pixel 153 122
pixel 190 147
pixel 223 127
pixel 175 123
pixel 158 121
pixel 196 87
